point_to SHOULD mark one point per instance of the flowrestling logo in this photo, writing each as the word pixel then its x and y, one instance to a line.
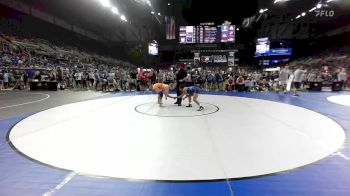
pixel 324 13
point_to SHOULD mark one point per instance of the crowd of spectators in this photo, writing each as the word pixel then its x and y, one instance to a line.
pixel 118 78
pixel 23 61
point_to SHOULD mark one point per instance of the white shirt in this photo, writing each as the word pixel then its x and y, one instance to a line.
pixel 77 76
pixel 298 75
pixel 92 76
pixel 342 76
pixel 6 77
pixel 284 74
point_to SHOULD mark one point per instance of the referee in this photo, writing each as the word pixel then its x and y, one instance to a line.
pixel 181 74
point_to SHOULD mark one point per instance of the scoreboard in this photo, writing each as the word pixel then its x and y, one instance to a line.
pixel 207 34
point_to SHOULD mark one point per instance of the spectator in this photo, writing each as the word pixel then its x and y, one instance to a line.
pixel 219 79
pixel 91 80
pixel 240 83
pixel 1 80
pixel 25 79
pixel 6 79
pixel 78 78
pixel 97 79
pixel 342 77
pixel 210 80
pixel 283 78
pixel 250 84
pixel 298 79
pixel 230 83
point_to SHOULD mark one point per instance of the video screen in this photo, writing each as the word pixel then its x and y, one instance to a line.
pixel 207 34
pixel 263 45
pixel 207 59
pixel 276 61
pixel 228 33
pixel 153 49
pixel 187 34
pixel 197 59
pixel 264 62
pixel 212 58
pixel 231 59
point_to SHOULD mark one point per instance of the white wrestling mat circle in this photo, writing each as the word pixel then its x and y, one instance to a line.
pixel 340 99
pixel 245 138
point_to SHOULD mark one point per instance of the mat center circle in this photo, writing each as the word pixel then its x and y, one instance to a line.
pixel 173 110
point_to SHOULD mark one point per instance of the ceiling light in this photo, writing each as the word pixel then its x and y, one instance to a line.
pixel 319 6
pixel 105 3
pixel 159 14
pixel 277 1
pixel 152 12
pixel 297 17
pixel 169 3
pixel 115 11
pixel 303 14
pixel 312 9
pixel 263 10
pixel 122 17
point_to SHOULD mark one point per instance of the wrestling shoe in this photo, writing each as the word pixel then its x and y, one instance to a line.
pixel 189 106
pixel 200 108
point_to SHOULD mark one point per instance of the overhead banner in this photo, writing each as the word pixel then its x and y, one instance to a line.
pixel 231 59
pixel 280 51
pixel 220 58
pixel 170 27
pixel 276 52
pixel 197 59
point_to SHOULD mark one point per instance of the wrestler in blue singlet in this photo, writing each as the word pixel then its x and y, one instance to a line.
pixel 193 89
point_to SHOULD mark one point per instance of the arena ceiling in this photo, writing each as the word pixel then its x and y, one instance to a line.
pixel 92 16
pixel 143 26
